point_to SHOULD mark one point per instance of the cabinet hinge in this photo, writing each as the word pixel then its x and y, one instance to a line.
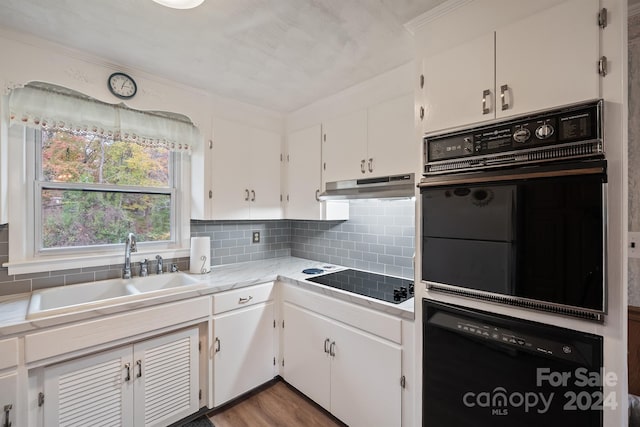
pixel 200 394
pixel 40 399
pixel 602 18
pixel 274 361
pixel 210 144
pixel 403 382
pixel 602 66
pixel 421 81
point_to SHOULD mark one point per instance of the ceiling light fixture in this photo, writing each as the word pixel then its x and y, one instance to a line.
pixel 180 4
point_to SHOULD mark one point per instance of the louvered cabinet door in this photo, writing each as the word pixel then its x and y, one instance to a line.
pixel 165 374
pixel 91 391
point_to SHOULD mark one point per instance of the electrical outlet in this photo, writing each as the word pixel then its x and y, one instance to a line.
pixel 634 245
pixel 256 237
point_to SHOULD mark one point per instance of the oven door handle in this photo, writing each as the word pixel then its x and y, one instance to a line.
pixel 495 177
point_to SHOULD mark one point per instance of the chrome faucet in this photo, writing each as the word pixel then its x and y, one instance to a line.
pixel 129 246
pixel 159 265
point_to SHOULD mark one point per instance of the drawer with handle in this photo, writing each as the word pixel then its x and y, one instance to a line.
pixel 238 298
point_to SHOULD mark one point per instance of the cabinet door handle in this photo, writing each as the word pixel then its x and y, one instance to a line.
pixel 317 195
pixel 246 195
pixel 326 345
pixel 332 349
pixel 253 195
pixel 139 365
pixel 127 366
pixel 504 91
pixel 217 345
pixel 243 300
pixel 371 164
pixel 486 94
pixel 7 413
pixel 362 162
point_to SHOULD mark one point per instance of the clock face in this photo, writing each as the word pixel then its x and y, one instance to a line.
pixel 122 86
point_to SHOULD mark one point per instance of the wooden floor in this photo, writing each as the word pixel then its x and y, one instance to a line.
pixel 278 405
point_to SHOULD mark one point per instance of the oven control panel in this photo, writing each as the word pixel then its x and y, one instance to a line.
pixel 539 135
pixel 508 337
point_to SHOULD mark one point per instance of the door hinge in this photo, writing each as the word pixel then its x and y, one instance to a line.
pixel 403 382
pixel 602 66
pixel 200 394
pixel 40 399
pixel 602 18
pixel 421 81
pixel 274 361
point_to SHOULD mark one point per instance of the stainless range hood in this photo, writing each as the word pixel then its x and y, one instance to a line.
pixel 384 187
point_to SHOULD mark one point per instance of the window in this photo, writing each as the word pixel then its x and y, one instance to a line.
pixel 86 173
pixel 93 190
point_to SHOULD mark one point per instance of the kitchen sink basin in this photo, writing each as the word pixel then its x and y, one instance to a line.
pixel 67 299
pixel 162 282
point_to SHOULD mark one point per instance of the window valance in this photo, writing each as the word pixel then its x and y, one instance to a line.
pixel 52 107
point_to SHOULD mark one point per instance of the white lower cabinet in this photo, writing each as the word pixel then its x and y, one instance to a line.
pixel 351 373
pixel 149 383
pixel 8 399
pixel 244 341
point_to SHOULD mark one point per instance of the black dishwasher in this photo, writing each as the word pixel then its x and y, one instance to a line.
pixel 483 369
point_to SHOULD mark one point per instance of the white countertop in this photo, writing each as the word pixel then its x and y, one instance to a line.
pixel 13 308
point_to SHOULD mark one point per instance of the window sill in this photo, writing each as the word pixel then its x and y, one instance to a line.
pixel 70 262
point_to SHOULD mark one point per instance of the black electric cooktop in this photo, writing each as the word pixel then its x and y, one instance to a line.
pixel 385 288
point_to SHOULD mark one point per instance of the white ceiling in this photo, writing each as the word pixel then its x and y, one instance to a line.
pixel 278 54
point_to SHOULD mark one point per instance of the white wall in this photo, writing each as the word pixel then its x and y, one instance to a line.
pixel 480 17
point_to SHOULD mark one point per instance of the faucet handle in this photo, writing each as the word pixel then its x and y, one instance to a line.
pixel 174 268
pixel 159 265
pixel 144 268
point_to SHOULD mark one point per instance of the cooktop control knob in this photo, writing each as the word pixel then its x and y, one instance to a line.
pixel 544 131
pixel 521 135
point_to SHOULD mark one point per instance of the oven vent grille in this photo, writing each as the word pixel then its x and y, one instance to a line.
pixel 524 303
pixel 569 151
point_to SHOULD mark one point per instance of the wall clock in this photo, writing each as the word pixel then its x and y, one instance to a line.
pixel 122 85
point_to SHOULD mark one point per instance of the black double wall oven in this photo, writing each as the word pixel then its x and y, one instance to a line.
pixel 515 212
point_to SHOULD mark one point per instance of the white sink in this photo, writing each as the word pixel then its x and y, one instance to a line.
pixel 161 282
pixel 67 299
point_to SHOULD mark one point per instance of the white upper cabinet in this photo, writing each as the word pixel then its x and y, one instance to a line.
pixel 392 148
pixel 344 148
pixel 304 179
pixel 455 83
pixel 372 142
pixel 245 172
pixel 546 60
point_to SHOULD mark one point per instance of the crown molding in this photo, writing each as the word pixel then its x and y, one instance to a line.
pixel 634 10
pixel 434 14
